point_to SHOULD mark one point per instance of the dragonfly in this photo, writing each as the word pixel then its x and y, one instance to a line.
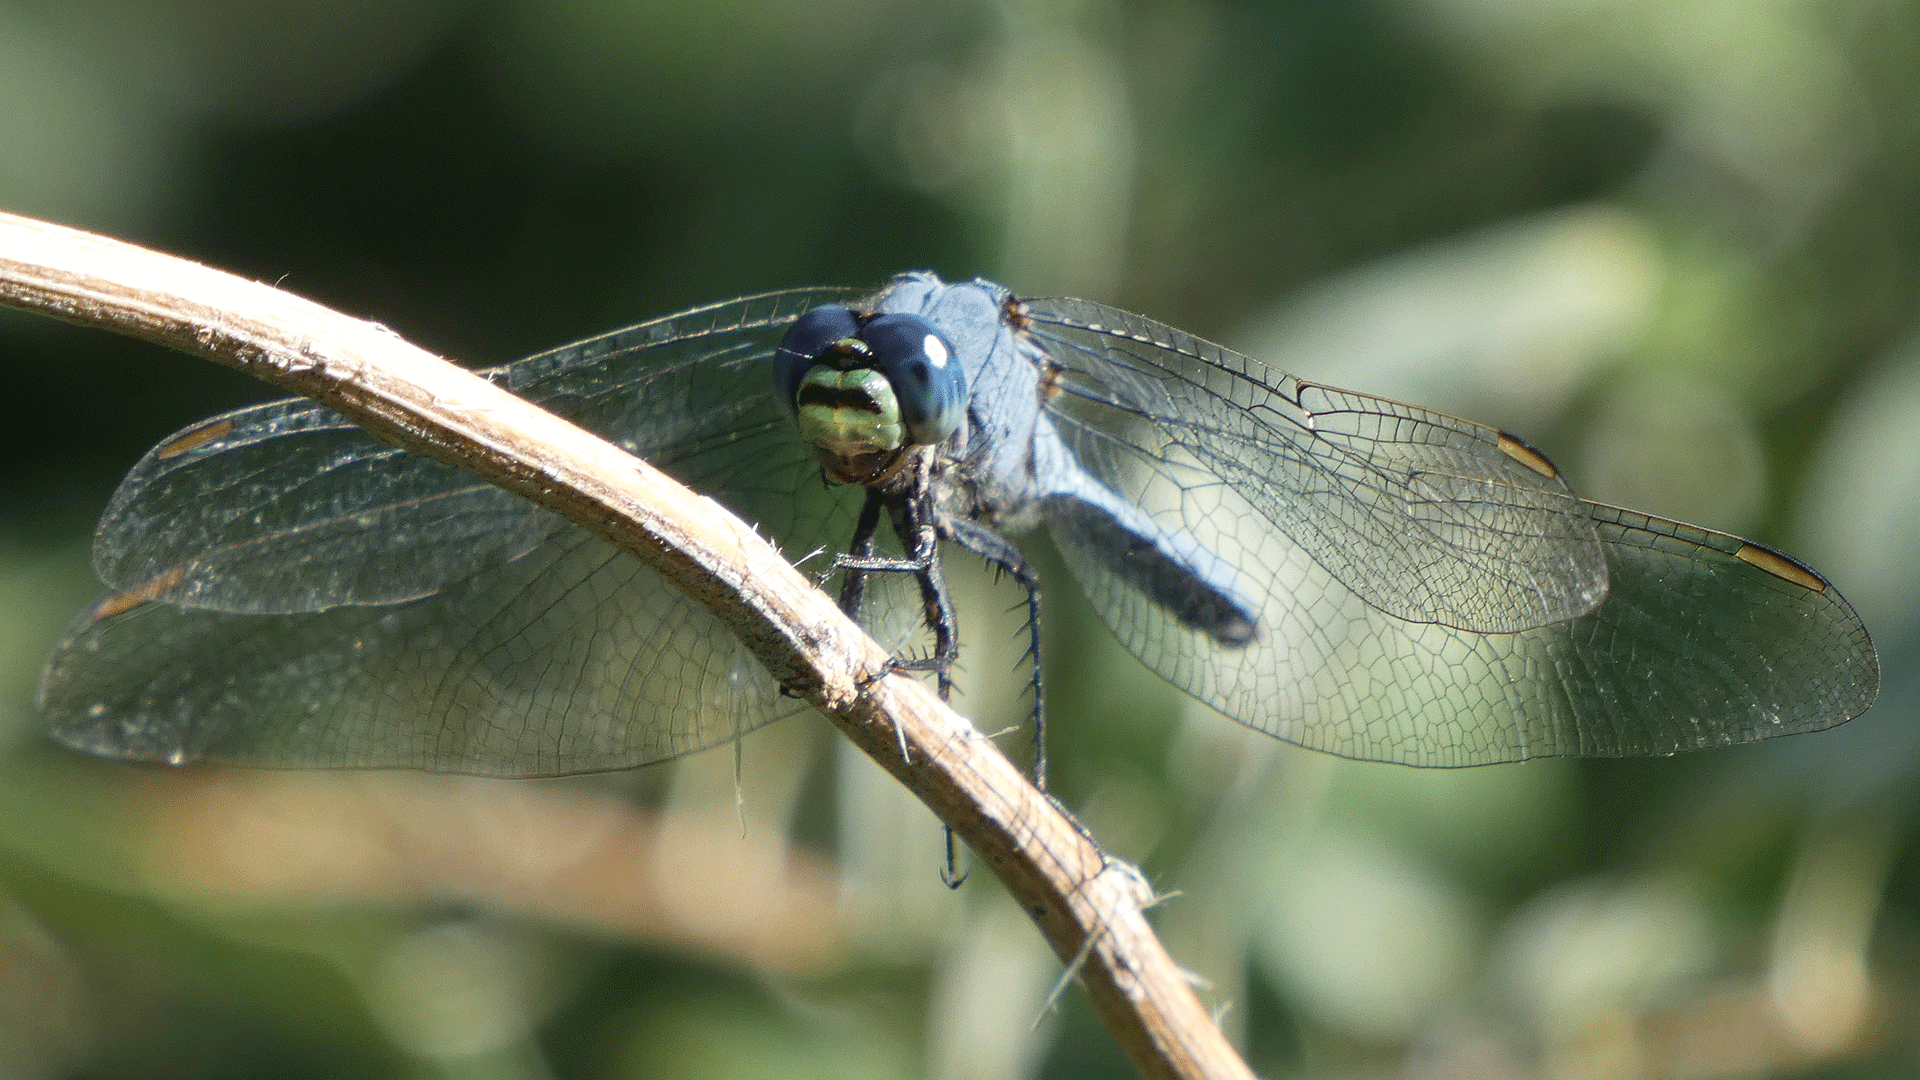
pixel 1344 572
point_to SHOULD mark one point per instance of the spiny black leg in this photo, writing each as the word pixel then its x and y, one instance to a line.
pixel 914 525
pixel 1002 553
pixel 923 563
pixel 853 583
pixel 858 562
pixel 951 875
pixel 913 518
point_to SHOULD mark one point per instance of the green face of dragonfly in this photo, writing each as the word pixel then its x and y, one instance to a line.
pixel 849 414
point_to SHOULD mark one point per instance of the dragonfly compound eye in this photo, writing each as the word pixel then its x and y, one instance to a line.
pixel 926 376
pixel 808 340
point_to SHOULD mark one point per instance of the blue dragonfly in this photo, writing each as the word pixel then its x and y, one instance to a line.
pixel 1344 572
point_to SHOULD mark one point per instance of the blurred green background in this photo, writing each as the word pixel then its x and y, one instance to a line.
pixel 1673 242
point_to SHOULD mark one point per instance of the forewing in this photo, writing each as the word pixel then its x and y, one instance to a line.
pixel 562 656
pixel 1425 516
pixel 288 506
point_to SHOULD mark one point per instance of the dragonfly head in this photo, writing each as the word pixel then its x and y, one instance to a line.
pixel 864 390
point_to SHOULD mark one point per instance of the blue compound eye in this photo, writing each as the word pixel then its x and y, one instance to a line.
pixel 924 372
pixel 808 340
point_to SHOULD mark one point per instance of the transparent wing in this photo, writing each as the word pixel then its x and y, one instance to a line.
pixel 572 658
pixel 289 507
pixel 1403 566
pixel 269 510
pixel 294 593
pixel 1428 517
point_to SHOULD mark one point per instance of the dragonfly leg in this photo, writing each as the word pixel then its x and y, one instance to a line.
pixel 1004 555
pixel 853 583
pixel 920 538
pixel 855 565
pixel 951 875
pixel 913 522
